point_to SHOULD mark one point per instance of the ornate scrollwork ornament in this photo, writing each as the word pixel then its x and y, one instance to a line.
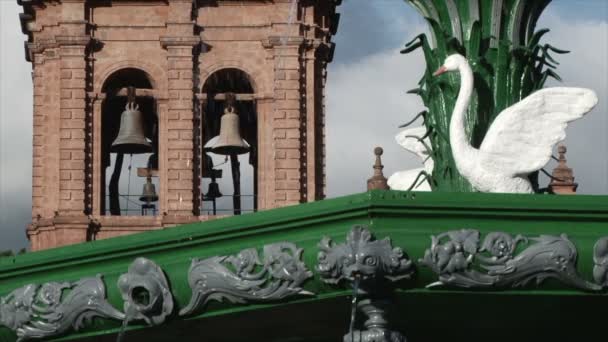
pixel 458 259
pixel 369 266
pixel 145 292
pixel 244 278
pixel 600 258
pixel 362 257
pixel 35 312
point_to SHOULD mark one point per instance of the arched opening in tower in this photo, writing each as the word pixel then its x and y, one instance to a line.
pixel 229 149
pixel 129 145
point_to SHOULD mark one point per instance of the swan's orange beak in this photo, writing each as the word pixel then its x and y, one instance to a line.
pixel 440 71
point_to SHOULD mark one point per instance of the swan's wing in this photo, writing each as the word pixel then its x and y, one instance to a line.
pixel 521 138
pixel 403 180
pixel 409 139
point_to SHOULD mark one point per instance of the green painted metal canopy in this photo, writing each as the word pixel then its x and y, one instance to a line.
pixel 551 310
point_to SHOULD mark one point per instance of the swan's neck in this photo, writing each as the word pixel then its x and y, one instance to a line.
pixel 462 151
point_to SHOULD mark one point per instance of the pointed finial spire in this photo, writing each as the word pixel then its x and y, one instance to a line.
pixel 378 181
pixel 563 176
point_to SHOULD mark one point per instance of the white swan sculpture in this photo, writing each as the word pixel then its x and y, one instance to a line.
pixel 409 139
pixel 521 138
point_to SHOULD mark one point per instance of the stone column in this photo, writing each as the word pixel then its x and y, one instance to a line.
pixel 180 42
pixel 96 103
pixel 164 155
pixel 72 127
pixel 287 121
pixel 46 134
pixel 266 160
pixel 312 123
pixel 179 130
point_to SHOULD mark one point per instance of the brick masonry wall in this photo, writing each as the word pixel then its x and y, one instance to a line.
pixel 45 182
pixel 163 39
pixel 287 125
pixel 72 130
pixel 180 130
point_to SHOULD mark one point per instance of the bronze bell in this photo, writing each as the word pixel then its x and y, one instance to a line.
pixel 131 138
pixel 207 166
pixel 149 193
pixel 153 162
pixel 229 141
pixel 213 192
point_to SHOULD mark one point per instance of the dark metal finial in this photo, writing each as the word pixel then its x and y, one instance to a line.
pixel 378 181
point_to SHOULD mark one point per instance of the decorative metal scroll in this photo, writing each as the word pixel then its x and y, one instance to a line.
pixel 146 292
pixel 459 260
pixel 362 257
pixel 243 278
pixel 600 258
pixel 36 312
pixel 368 265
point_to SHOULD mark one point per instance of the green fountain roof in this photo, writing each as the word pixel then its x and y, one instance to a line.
pixel 409 219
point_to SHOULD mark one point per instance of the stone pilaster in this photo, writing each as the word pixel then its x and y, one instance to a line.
pixel 266 158
pixel 46 134
pixel 72 124
pixel 180 43
pixel 287 123
pixel 311 122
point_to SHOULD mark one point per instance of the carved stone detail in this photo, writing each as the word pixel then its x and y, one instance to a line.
pixel 600 258
pixel 243 278
pixel 146 292
pixel 458 259
pixel 36 312
pixel 363 257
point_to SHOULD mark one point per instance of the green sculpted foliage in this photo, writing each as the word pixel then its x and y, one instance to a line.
pixel 499 40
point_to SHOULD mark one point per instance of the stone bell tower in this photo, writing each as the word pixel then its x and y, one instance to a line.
pixel 104 71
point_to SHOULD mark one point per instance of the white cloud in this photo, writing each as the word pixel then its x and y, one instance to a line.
pixel 366 101
pixel 585 66
pixel 15 130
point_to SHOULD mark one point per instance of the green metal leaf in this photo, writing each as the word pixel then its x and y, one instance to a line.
pixel 440 36
pixel 554 49
pixel 424 113
pixel 411 47
pixel 537 36
pixel 474 41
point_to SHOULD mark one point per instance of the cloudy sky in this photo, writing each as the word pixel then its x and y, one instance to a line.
pixel 366 98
